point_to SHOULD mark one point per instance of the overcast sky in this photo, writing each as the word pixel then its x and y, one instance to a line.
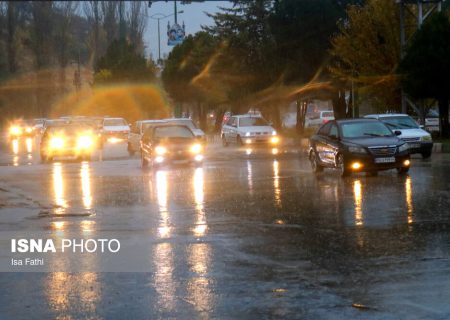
pixel 193 16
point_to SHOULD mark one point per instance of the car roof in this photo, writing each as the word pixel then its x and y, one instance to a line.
pixel 387 115
pixel 175 119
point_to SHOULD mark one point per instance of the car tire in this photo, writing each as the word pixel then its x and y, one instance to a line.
pixel 426 155
pixel 239 141
pixel 402 170
pixel 315 166
pixel 224 141
pixel 340 164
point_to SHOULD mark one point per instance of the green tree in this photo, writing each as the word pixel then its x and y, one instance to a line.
pixel 366 51
pixel 121 64
pixel 426 66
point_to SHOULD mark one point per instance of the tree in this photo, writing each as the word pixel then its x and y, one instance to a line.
pixel 425 68
pixel 366 51
pixel 122 64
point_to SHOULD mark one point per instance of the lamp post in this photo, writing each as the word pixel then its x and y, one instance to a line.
pixel 160 16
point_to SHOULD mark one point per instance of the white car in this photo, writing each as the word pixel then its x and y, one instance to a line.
pixel 137 130
pixel 408 130
pixel 248 129
pixel 319 119
pixel 115 130
pixel 189 123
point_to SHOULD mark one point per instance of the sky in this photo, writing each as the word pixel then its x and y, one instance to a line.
pixel 193 17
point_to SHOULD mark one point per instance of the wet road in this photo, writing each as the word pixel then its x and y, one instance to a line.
pixel 251 234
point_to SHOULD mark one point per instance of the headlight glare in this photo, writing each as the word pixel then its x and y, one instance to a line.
pixel 56 143
pixel 15 130
pixel 247 134
pixel 84 142
pixel 196 148
pixel 274 133
pixel 160 150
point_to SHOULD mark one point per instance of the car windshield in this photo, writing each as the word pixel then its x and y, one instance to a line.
pixel 252 122
pixel 66 130
pixel 184 122
pixel 114 122
pixel 365 129
pixel 146 125
pixel 173 132
pixel 400 122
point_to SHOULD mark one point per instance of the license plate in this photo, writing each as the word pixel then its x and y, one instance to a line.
pixel 414 145
pixel 385 160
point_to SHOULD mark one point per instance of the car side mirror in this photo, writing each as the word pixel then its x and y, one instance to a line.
pixel 421 126
pixel 397 133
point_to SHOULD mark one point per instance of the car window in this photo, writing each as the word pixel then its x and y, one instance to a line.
pixel 172 132
pixel 231 121
pixel 184 122
pixel 252 122
pixel 114 122
pixel 365 129
pixel 400 122
pixel 323 131
pixel 333 131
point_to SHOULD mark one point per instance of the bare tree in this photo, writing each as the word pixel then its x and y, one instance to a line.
pixel 94 16
pixel 136 20
pixel 110 18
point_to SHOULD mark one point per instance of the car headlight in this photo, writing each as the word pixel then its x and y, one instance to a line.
pixel 15 130
pixel 84 142
pixel 403 147
pixel 160 150
pixel 196 148
pixel 56 143
pixel 356 149
pixel 274 133
pixel 29 130
pixel 247 134
pixel 275 140
pixel 426 138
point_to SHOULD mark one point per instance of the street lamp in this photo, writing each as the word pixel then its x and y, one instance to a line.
pixel 160 16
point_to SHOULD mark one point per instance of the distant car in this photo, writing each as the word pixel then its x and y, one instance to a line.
pixel 319 118
pixel 137 130
pixel 188 122
pixel 355 145
pixel 21 128
pixel 170 144
pixel 419 140
pixel 247 129
pixel 67 140
pixel 115 130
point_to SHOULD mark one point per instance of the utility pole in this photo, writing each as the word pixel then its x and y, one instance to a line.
pixel 420 10
pixel 175 11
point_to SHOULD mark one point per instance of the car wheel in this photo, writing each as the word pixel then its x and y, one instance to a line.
pixel 224 141
pixel 144 162
pixel 426 155
pixel 402 170
pixel 315 166
pixel 340 164
pixel 239 141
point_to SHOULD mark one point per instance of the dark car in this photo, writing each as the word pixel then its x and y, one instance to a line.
pixel 62 140
pixel 356 145
pixel 170 143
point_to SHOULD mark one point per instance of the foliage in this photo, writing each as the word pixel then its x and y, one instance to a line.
pixel 426 65
pixel 367 50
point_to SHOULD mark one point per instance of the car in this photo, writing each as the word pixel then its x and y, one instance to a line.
pixel 188 122
pixel 419 140
pixel 67 140
pixel 170 144
pixel 137 130
pixel 319 118
pixel 248 129
pixel 358 145
pixel 115 130
pixel 21 128
pixel 39 125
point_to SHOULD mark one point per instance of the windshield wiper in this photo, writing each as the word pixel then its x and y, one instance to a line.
pixel 372 134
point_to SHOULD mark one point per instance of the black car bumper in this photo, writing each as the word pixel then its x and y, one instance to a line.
pixel 368 162
pixel 420 147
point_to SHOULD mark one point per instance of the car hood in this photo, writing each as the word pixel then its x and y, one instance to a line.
pixel 374 141
pixel 412 133
pixel 257 129
pixel 198 132
pixel 116 128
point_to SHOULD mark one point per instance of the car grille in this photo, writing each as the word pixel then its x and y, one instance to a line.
pixel 411 139
pixel 383 151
